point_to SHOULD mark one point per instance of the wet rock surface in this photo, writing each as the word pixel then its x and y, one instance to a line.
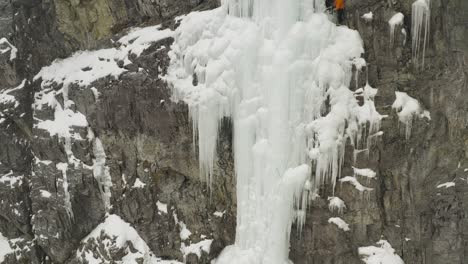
pixel 152 162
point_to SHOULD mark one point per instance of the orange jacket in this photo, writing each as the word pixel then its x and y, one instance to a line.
pixel 339 4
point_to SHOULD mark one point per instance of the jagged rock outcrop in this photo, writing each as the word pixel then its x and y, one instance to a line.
pixel 53 188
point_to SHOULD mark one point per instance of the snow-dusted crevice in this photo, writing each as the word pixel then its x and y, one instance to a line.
pixel 281 71
pixel 421 16
pixel 63 167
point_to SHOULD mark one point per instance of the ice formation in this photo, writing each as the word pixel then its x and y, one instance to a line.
pixel 396 20
pixel 101 172
pixel 364 172
pixel 336 204
pixel 353 181
pixel 421 16
pixel 280 70
pixel 407 109
pixel 382 254
pixel 340 223
pixel 368 16
pixel 446 185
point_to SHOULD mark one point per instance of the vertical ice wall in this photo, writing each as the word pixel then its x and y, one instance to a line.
pixel 281 71
pixel 421 15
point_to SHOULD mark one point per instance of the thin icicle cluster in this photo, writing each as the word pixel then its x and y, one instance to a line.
pixel 421 15
pixel 281 72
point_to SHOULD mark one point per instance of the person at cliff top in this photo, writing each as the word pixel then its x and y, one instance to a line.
pixel 340 10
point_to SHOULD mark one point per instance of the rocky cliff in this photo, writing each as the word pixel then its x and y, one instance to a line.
pixel 111 149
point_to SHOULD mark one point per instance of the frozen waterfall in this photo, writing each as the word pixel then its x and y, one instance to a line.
pixel 280 70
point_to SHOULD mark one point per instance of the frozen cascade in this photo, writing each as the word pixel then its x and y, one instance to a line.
pixel 421 15
pixel 281 71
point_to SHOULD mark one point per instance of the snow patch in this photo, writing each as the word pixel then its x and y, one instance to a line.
pixel 340 223
pixel 6 46
pixel 446 185
pixel 6 98
pixel 364 172
pixel 353 181
pixel 12 180
pixel 382 254
pixel 118 235
pixel 368 16
pixel 407 109
pixel 162 207
pixel 45 194
pixel 197 248
pixel 139 184
pixel 336 204
pixel 5 248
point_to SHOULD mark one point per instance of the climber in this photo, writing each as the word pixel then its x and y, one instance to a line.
pixel 340 10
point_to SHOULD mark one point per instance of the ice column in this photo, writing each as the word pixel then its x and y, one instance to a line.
pixel 421 15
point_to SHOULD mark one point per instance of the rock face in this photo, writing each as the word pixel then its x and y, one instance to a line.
pixel 133 156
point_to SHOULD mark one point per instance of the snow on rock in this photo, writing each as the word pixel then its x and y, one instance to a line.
pixel 64 120
pixel 336 204
pixel 162 207
pixel 85 67
pixel 364 172
pixel 219 214
pixel 45 194
pixel 383 253
pixel 407 109
pixel 272 73
pixel 368 16
pixel 115 235
pixel 184 231
pixel 353 181
pixel 5 248
pixel 197 248
pixel 7 98
pixel 10 179
pixel 396 20
pixel 421 17
pixel 138 184
pixel 6 46
pixel 446 185
pixel 340 223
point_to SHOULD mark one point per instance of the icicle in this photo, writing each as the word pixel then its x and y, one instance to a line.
pixel 67 201
pixel 396 20
pixel 421 15
pixel 101 173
